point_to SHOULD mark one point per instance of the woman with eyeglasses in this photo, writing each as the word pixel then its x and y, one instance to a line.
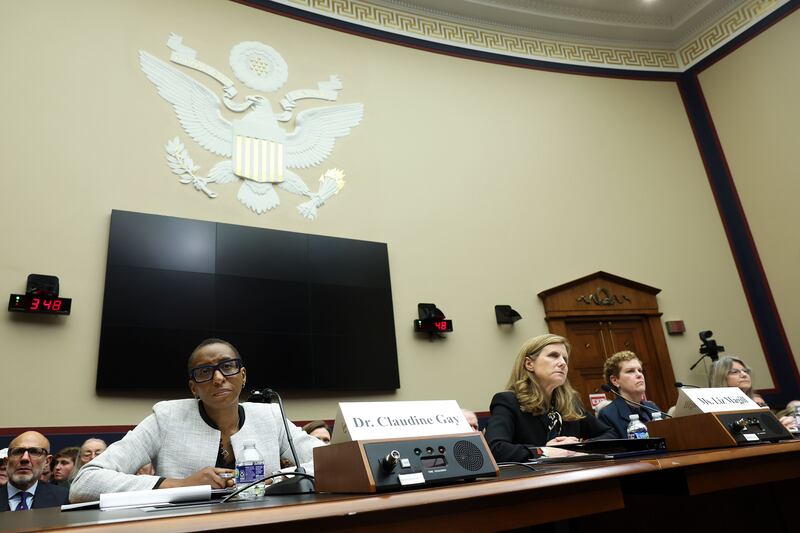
pixel 195 441
pixel 730 371
pixel 539 407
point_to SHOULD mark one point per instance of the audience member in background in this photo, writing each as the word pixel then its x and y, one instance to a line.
pixel 65 461
pixel 540 407
pixel 193 441
pixel 472 419
pixel 3 472
pixel 319 429
pixel 90 449
pixel 789 410
pixel 27 455
pixel 730 371
pixel 623 373
pixel 47 471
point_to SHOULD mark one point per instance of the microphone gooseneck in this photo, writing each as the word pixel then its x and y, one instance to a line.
pixel 606 388
pixel 680 385
pixel 299 484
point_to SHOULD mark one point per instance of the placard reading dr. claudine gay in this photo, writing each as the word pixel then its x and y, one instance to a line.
pixel 388 420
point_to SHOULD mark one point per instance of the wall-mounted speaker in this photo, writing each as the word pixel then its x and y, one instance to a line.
pixel 505 315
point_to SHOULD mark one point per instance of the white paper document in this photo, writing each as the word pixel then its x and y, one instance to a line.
pixel 140 498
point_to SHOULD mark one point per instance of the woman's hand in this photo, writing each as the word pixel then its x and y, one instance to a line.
pixel 563 440
pixel 218 478
pixel 788 422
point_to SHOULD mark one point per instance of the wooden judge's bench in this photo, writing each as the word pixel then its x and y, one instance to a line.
pixel 730 489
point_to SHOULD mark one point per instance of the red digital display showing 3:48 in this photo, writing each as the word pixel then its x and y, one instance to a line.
pixel 31 303
pixel 51 305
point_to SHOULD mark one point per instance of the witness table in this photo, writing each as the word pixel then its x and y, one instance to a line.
pixel 657 492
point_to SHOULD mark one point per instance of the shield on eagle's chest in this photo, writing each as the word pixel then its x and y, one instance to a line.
pixel 257 156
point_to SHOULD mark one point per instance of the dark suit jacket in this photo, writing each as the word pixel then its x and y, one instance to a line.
pixel 617 415
pixel 510 429
pixel 47 495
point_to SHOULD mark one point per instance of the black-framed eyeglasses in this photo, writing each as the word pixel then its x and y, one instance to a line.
pixel 34 453
pixel 228 367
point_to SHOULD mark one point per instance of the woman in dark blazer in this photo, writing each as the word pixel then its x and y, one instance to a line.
pixel 539 407
pixel 623 372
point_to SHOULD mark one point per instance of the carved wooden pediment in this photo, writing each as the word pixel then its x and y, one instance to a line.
pixel 598 294
pixel 601 314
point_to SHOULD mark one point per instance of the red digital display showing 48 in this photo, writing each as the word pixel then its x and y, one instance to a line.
pixel 433 326
pixel 31 303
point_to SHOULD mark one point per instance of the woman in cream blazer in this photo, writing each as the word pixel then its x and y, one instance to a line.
pixel 193 441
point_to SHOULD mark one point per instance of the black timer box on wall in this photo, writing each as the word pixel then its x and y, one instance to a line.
pixel 40 298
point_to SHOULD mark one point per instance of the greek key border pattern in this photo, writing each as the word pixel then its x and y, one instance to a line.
pixel 504 43
pixel 430 28
pixel 726 28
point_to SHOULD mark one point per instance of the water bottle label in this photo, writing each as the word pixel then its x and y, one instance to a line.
pixel 638 435
pixel 249 473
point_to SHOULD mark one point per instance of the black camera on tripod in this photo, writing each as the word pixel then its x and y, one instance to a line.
pixel 709 348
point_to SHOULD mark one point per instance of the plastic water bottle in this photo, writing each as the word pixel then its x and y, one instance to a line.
pixel 656 416
pixel 636 429
pixel 250 467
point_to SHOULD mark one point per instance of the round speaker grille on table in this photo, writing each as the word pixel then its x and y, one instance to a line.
pixel 468 455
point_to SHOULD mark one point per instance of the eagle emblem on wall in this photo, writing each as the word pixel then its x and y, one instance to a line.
pixel 258 151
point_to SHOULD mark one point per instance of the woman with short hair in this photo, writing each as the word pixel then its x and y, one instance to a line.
pixel 539 407
pixel 623 373
pixel 195 441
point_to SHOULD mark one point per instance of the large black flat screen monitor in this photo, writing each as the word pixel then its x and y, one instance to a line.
pixel 306 312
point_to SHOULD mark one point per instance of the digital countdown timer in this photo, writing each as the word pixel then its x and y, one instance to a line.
pixel 38 304
pixel 433 326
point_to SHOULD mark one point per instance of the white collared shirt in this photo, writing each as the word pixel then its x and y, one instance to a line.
pixel 13 502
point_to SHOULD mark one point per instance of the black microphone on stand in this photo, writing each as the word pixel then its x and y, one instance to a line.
pixel 680 385
pixel 302 483
pixel 651 409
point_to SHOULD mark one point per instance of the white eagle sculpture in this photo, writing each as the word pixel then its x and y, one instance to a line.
pixel 257 149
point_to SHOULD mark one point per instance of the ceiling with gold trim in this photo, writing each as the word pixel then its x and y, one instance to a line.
pixel 657 35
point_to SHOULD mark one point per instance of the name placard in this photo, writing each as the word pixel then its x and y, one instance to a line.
pixel 596 399
pixel 716 400
pixel 389 420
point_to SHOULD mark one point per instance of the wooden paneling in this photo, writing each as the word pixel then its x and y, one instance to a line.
pixel 694 432
pixel 602 314
pixel 599 294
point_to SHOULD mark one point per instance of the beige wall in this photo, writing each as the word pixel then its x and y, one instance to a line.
pixel 753 98
pixel 534 178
